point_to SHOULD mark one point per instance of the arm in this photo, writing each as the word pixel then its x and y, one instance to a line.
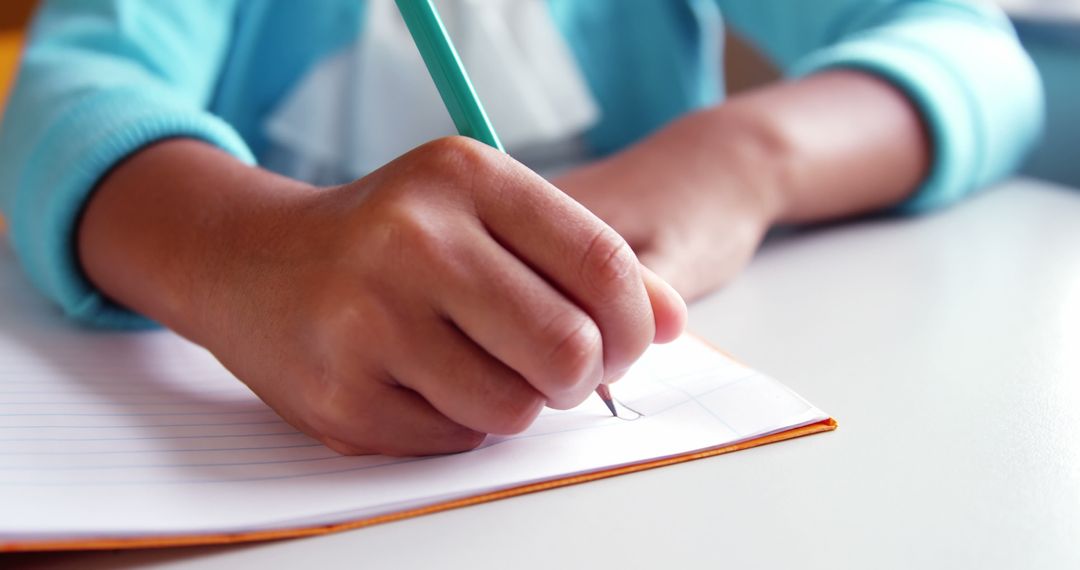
pixel 696 198
pixel 832 145
pixel 100 79
pixel 852 134
pixel 958 61
pixel 450 294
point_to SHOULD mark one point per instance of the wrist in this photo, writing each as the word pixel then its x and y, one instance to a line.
pixel 736 147
pixel 162 230
pixel 830 145
pixel 238 237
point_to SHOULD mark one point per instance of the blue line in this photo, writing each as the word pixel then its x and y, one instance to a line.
pixel 152 438
pixel 392 462
pixel 265 422
pixel 66 453
pixel 389 463
pixel 92 392
pixel 235 386
pixel 110 402
pixel 166 465
pixel 91 382
pixel 66 415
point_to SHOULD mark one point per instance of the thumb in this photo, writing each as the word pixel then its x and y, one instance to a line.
pixel 669 309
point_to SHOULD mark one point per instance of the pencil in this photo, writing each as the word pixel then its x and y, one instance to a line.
pixel 446 69
pixel 457 92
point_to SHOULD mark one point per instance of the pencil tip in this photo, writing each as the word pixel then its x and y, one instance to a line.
pixel 605 394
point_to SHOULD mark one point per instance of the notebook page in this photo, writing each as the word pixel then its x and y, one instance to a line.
pixel 106 434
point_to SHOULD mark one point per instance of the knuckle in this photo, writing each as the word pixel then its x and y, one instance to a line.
pixel 395 449
pixel 354 422
pixel 345 430
pixel 412 230
pixel 425 241
pixel 339 418
pixel 346 318
pixel 317 403
pixel 457 154
pixel 351 437
pixel 465 440
pixel 450 438
pixel 516 415
pixel 576 351
pixel 342 447
pixel 607 262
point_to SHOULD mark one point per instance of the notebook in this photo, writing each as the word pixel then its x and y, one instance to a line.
pixel 112 440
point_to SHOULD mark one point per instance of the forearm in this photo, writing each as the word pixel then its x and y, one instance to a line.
pixel 827 146
pixel 161 226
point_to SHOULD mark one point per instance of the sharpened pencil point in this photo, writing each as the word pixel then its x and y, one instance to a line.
pixel 605 394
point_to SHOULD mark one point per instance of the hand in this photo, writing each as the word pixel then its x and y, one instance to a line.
pixel 695 199
pixel 451 294
pixel 696 221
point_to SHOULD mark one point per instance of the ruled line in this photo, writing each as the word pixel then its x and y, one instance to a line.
pixel 152 438
pixel 137 451
pixel 132 414
pixel 266 422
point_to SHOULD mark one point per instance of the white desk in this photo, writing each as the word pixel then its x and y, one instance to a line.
pixel 947 346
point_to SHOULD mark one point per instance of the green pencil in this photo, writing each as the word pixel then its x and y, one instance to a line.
pixel 456 89
pixel 446 69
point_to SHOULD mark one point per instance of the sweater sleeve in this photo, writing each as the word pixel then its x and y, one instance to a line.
pixel 99 80
pixel 958 61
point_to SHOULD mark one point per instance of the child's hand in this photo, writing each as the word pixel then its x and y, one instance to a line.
pixel 450 294
pixel 695 221
pixel 695 199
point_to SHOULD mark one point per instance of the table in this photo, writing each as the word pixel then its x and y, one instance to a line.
pixel 947 346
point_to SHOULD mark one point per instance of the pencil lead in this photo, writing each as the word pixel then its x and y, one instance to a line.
pixel 605 394
pixel 611 406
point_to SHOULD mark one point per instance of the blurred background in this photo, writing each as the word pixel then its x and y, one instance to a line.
pixel 13 17
pixel 1049 29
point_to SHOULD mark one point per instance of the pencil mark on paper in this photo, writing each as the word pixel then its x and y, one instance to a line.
pixel 634 414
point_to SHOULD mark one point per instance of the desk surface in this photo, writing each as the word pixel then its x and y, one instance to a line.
pixel 947 346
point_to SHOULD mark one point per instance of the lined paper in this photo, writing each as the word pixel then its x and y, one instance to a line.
pixel 106 434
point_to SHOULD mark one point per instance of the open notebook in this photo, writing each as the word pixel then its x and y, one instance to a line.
pixel 119 440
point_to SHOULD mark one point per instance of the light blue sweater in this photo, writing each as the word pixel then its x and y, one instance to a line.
pixel 102 78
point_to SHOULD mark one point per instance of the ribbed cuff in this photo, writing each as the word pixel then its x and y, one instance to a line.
pixel 93 137
pixel 979 95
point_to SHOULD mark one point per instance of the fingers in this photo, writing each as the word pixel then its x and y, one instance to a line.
pixel 668 307
pixel 517 317
pixel 580 255
pixel 401 424
pixel 501 294
pixel 466 384
pixel 690 276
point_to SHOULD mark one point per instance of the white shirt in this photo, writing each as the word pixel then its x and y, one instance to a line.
pixel 374 100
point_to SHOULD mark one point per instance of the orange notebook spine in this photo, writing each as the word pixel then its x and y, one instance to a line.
pixel 263 535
